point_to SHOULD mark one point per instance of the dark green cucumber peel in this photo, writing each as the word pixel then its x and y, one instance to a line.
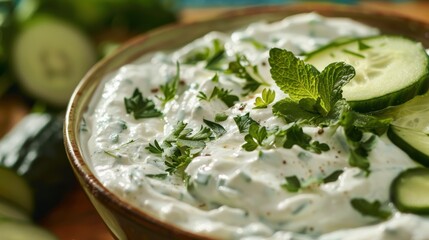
pixel 415 154
pixel 393 99
pixel 34 149
pixel 395 191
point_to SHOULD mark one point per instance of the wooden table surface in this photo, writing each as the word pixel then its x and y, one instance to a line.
pixel 75 218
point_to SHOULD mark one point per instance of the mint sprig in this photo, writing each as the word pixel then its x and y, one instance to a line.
pixel 312 94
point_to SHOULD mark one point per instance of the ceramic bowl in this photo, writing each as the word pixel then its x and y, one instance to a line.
pixel 126 221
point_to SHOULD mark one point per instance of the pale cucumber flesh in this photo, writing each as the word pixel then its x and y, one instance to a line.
pixel 389 70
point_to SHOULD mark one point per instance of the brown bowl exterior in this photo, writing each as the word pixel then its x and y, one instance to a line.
pixel 126 221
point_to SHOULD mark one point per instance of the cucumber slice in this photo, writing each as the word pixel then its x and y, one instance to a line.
pixel 390 70
pixel 409 191
pixel 410 128
pixel 9 210
pixel 50 56
pixel 15 189
pixel 414 143
pixel 18 230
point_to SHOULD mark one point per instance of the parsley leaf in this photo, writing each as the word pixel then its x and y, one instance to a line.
pixel 266 98
pixel 217 129
pixel 212 55
pixel 222 94
pixel 155 148
pixel 257 134
pixel 296 136
pixel 314 92
pixel 169 89
pixel 243 69
pixel 181 146
pixel 373 209
pixel 243 122
pixel 141 107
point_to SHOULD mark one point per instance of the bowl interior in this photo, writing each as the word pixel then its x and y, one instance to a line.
pixel 171 37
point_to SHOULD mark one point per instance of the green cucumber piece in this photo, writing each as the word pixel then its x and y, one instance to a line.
pixel 8 210
pixel 34 150
pixel 49 57
pixel 414 143
pixel 409 191
pixel 16 190
pixel 390 70
pixel 20 230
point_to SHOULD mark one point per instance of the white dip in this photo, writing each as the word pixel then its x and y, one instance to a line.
pixel 233 193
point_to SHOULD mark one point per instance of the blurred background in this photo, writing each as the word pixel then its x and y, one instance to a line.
pixel 46 46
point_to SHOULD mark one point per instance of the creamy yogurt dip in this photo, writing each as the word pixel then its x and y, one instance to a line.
pixel 227 192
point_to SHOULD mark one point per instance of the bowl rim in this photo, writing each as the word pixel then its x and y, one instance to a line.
pixel 71 123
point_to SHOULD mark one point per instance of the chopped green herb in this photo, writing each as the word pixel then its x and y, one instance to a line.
pixel 220 117
pixel 243 122
pixel 217 129
pixel 257 44
pixel 296 136
pixel 333 176
pixel 155 148
pixel 243 69
pixel 181 146
pixel 141 107
pixel 160 176
pixel 292 184
pixel 373 209
pixel 257 134
pixel 222 94
pixel 169 90
pixel 267 97
pixel 212 55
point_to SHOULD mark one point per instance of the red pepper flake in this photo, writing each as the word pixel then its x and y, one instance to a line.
pixel 154 90
pixel 320 131
pixel 182 82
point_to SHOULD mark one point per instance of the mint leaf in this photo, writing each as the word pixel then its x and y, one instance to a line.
pixel 217 129
pixel 267 97
pixel 373 209
pixel 243 122
pixel 141 107
pixel 293 112
pixel 314 91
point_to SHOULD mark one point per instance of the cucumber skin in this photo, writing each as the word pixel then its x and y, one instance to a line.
pixel 39 157
pixel 415 154
pixel 392 99
pixel 395 198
